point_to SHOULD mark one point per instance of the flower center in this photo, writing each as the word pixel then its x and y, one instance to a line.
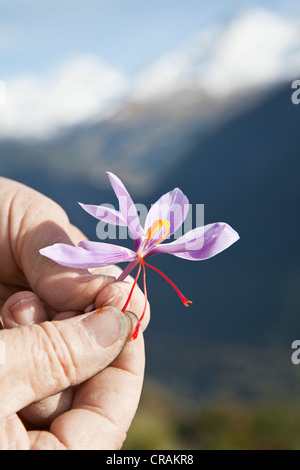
pixel 158 231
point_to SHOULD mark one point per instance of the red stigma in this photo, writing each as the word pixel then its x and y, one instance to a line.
pixel 184 300
pixel 142 264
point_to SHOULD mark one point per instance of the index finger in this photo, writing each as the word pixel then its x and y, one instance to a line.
pixel 28 222
pixel 105 405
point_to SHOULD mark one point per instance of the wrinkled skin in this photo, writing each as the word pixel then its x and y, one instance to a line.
pixel 59 387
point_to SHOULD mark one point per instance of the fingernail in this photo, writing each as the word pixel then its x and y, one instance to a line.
pixel 24 312
pixel 106 326
pixel 114 299
pixel 89 308
pixel 133 323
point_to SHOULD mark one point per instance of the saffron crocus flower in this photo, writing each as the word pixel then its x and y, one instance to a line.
pixel 162 221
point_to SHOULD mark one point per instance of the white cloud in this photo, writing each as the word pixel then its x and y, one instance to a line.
pixel 256 48
pixel 82 88
pixel 175 69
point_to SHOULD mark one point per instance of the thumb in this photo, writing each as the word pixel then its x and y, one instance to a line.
pixel 30 221
pixel 41 360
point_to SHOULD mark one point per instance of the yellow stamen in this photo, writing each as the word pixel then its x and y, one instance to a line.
pixel 155 227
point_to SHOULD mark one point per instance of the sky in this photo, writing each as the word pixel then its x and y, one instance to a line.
pixel 35 34
pixel 65 61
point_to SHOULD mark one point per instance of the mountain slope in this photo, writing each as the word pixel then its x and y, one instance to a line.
pixel 247 298
pixel 136 143
pixel 247 174
pixel 236 336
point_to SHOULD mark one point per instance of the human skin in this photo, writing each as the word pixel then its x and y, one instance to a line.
pixel 70 380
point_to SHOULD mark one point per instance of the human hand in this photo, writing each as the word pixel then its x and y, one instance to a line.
pixel 80 393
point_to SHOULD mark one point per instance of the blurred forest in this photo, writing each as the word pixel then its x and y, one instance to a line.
pixel 168 421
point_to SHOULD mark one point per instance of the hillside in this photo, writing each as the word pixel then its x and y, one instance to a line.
pixel 234 340
pixel 237 333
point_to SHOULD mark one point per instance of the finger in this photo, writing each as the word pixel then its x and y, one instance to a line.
pixel 5 292
pixel 42 360
pixel 29 222
pixel 43 412
pixel 113 270
pixel 105 405
pixel 13 435
pixel 115 295
pixel 23 309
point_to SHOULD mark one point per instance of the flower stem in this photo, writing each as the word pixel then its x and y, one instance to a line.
pixel 130 267
pixel 137 327
pixel 132 288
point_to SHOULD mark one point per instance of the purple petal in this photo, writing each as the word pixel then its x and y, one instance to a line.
pixel 127 208
pixel 200 243
pixel 106 214
pixel 96 254
pixel 172 206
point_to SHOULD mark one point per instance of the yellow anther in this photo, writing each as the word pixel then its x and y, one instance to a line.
pixel 163 225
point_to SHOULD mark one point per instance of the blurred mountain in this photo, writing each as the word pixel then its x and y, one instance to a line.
pixel 240 159
pixel 137 142
pixel 246 306
pixel 223 55
pixel 247 174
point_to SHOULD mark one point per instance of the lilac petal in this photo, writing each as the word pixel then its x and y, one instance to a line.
pixel 127 209
pixel 200 243
pixel 97 254
pixel 106 214
pixel 172 206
